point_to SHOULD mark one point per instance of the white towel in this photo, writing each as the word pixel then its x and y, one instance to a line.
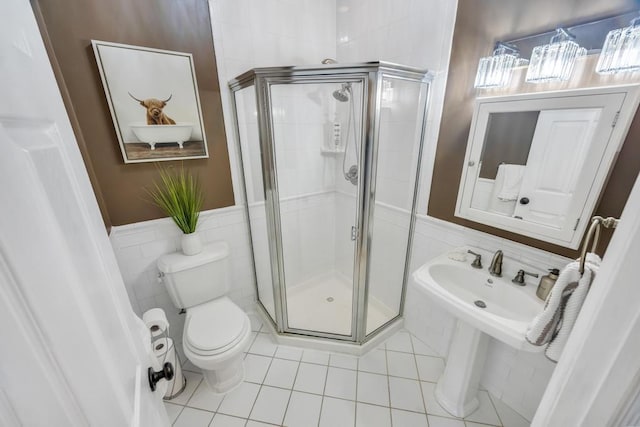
pixel 508 182
pixel 554 324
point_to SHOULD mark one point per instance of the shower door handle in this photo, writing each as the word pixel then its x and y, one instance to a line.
pixel 354 232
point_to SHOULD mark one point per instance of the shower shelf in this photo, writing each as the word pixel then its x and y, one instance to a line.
pixel 330 152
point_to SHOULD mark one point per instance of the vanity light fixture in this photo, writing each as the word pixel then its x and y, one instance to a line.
pixel 496 70
pixel 621 50
pixel 554 61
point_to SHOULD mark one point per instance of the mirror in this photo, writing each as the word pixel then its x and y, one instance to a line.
pixel 536 163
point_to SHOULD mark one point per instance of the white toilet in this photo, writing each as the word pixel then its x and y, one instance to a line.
pixel 216 331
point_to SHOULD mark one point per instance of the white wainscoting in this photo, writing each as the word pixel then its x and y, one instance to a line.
pixel 517 378
pixel 138 246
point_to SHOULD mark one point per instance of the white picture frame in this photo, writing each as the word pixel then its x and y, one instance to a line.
pixel 154 102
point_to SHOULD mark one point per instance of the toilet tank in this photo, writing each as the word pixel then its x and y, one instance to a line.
pixel 196 279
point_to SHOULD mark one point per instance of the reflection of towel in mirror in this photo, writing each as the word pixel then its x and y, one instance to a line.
pixel 554 324
pixel 508 181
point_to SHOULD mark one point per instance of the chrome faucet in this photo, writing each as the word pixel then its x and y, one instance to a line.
pixel 495 269
pixel 519 279
pixel 477 262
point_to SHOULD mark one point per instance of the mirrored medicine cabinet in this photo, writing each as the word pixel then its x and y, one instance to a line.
pixel 536 163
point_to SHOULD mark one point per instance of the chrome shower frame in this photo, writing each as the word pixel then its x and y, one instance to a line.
pixel 370 76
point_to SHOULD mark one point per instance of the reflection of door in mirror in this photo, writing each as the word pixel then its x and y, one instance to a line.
pixel 561 143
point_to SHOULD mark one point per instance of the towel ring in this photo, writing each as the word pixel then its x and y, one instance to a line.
pixel 594 232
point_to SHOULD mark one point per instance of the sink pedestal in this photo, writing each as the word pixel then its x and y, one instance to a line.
pixel 457 389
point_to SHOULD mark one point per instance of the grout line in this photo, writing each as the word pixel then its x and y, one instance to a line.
pixel 386 365
pixel 495 408
pixel 259 390
pixel 355 405
pixel 324 389
pixel 194 390
pixel 415 360
pixel 179 413
pixel 286 409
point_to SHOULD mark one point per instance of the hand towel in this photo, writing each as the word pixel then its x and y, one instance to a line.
pixel 508 182
pixel 554 324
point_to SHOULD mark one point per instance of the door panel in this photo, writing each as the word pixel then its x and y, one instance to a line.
pixel 398 153
pixel 560 145
pixel 318 206
pixel 73 351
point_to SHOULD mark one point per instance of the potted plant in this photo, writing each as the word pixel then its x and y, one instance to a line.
pixel 179 195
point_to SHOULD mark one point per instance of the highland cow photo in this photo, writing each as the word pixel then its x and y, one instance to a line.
pixel 154 103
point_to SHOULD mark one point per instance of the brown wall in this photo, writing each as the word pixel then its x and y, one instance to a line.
pixel 68 27
pixel 478 26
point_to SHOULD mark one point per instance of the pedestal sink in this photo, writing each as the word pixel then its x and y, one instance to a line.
pixel 484 306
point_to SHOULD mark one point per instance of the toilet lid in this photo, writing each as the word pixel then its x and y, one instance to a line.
pixel 215 325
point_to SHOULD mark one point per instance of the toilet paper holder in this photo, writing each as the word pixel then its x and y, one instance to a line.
pixel 165 351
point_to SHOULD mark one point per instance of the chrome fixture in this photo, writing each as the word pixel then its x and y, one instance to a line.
pixel 621 50
pixel 477 262
pixel 352 174
pixel 496 70
pixel 594 232
pixel 554 61
pixel 328 61
pixel 344 95
pixel 495 269
pixel 519 279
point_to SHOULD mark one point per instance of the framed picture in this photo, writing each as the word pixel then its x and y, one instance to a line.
pixel 154 102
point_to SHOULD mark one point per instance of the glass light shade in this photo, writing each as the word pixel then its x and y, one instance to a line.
pixel 496 70
pixel 621 50
pixel 554 61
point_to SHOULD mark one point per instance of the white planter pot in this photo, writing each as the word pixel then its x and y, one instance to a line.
pixel 191 243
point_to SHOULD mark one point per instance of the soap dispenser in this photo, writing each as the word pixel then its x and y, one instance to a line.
pixel 546 283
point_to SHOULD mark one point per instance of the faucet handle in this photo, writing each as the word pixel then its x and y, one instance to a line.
pixel 519 279
pixel 477 262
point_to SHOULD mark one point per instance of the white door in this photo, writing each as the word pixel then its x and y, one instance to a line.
pixel 71 349
pixel 559 148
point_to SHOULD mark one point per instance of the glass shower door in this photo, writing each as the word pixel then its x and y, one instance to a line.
pixel 315 124
pixel 251 152
pixel 400 125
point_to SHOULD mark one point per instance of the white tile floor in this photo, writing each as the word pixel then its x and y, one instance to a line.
pixel 286 386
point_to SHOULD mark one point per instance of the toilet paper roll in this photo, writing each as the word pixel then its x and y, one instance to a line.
pixel 165 351
pixel 156 321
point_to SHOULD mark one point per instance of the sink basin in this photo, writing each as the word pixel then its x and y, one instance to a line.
pixel 485 306
pixel 505 309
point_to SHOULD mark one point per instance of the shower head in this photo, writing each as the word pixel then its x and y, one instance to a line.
pixel 342 94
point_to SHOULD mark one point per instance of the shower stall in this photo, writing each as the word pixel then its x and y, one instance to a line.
pixel 330 159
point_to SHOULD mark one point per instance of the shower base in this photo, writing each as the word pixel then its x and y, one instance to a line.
pixel 324 304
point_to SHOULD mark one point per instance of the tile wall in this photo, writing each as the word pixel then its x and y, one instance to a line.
pixel 276 32
pixel 410 32
pixel 249 33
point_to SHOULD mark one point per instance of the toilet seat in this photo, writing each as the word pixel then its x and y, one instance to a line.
pixel 215 327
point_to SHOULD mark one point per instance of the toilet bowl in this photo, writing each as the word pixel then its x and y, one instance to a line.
pixel 216 334
pixel 216 331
